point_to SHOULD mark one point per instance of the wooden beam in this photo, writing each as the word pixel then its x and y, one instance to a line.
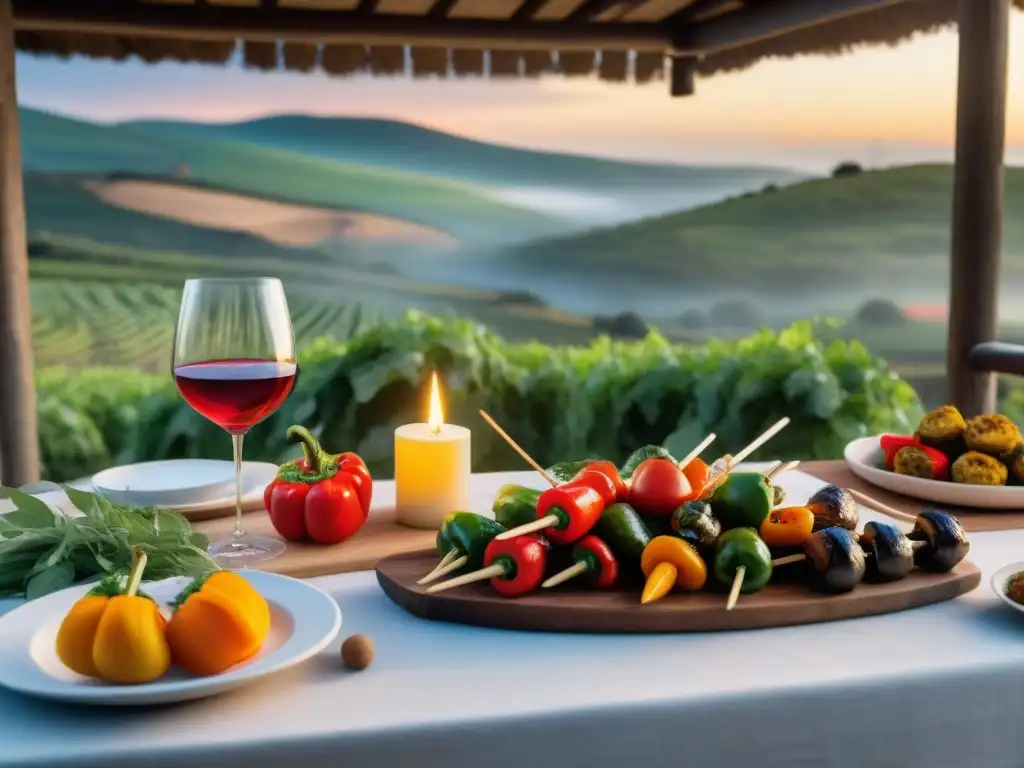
pixel 997 357
pixel 591 9
pixel 684 73
pixel 525 11
pixel 761 21
pixel 133 19
pixel 977 199
pixel 19 442
pixel 441 8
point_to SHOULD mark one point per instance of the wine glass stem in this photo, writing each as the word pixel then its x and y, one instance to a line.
pixel 236 442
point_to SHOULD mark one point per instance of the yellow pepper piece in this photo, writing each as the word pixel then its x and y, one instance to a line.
pixel 669 561
pixel 117 638
pixel 220 624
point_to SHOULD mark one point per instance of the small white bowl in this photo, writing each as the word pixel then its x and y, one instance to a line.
pixel 999 579
pixel 175 482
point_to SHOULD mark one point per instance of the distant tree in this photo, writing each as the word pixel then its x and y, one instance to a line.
pixel 768 189
pixel 693 319
pixel 734 313
pixel 847 168
pixel 880 313
pixel 522 298
pixel 627 325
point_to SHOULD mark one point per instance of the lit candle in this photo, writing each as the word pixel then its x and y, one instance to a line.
pixel 432 467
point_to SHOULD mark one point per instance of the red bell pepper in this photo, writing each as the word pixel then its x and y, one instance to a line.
pixel 321 497
pixel 605 469
pixel 576 509
pixel 600 481
pixel 893 444
pixel 524 560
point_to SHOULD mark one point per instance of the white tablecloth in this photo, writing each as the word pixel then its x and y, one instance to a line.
pixel 936 686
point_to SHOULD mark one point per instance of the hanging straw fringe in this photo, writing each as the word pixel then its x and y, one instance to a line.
pixel 468 62
pixel 429 62
pixel 387 60
pixel 344 59
pixel 504 64
pixel 300 57
pixel 576 63
pixel 259 55
pixel 614 66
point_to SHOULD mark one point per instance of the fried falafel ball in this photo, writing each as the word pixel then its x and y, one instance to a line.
pixel 992 433
pixel 943 429
pixel 976 468
pixel 914 462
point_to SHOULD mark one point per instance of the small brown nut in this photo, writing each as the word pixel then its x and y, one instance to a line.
pixel 357 652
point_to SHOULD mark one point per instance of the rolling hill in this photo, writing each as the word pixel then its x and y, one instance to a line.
pixel 860 231
pixel 63 145
pixel 404 146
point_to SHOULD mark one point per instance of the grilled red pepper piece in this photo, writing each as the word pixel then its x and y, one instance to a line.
pixel 320 498
pixel 576 507
pixel 893 444
pixel 600 482
pixel 524 559
pixel 602 567
pixel 608 470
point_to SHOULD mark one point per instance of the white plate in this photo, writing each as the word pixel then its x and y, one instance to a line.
pixel 163 483
pixel 864 457
pixel 304 621
pixel 999 579
pixel 256 476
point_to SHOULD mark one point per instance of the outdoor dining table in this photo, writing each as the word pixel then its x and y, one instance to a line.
pixel 936 686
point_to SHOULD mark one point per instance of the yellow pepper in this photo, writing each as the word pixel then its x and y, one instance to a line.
pixel 220 621
pixel 668 561
pixel 116 633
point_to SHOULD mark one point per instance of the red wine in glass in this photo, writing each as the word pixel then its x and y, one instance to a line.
pixel 234 363
pixel 235 394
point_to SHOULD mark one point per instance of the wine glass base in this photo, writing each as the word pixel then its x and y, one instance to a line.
pixel 245 551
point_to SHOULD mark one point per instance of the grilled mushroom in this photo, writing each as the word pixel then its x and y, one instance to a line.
pixel 835 558
pixel 834 506
pixel 939 541
pixel 890 553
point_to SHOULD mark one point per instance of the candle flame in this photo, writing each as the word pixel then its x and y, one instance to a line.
pixel 436 418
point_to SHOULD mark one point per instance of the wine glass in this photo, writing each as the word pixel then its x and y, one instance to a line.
pixel 234 363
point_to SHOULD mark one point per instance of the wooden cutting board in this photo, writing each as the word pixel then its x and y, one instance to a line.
pixel 783 602
pixel 838 473
pixel 379 538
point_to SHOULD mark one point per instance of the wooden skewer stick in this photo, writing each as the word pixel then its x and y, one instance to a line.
pixel 760 440
pixel 737 584
pixel 781 469
pixel 451 555
pixel 437 573
pixel 482 575
pixel 563 576
pixel 515 447
pixel 537 525
pixel 697 451
pixel 878 506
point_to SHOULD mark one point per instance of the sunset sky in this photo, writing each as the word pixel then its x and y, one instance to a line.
pixel 880 106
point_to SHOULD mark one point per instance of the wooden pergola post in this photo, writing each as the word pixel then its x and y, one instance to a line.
pixel 977 199
pixel 19 446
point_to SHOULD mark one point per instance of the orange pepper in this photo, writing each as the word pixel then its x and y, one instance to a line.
pixel 667 562
pixel 116 632
pixel 787 526
pixel 697 472
pixel 219 622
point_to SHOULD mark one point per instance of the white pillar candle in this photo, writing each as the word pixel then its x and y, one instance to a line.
pixel 432 469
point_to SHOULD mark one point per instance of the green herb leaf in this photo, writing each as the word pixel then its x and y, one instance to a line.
pixel 52 579
pixel 641 455
pixel 29 511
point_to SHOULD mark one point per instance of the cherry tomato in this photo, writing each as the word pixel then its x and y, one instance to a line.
pixel 787 527
pixel 658 487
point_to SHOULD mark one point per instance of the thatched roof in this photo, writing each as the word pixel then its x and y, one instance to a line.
pixel 619 40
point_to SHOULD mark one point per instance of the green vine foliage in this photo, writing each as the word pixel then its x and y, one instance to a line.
pixel 559 403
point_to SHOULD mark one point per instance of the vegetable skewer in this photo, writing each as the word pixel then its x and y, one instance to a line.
pixel 668 562
pixel 723 466
pixel 743 562
pixel 594 559
pixel 467 535
pixel 515 567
